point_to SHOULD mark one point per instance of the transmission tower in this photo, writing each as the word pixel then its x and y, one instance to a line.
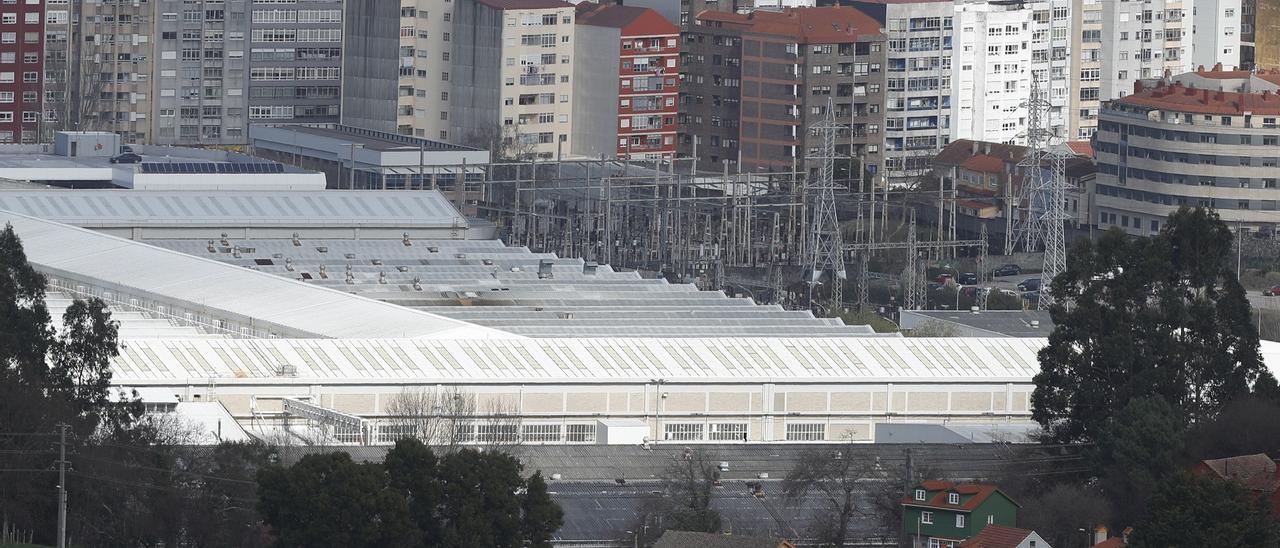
pixel 1028 230
pixel 775 263
pixel 913 282
pixel 825 248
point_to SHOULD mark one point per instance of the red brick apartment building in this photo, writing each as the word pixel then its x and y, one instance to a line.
pixel 21 69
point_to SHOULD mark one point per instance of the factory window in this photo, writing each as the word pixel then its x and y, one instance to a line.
pixel 348 434
pixel 498 433
pixel 541 433
pixel 682 432
pixel 806 432
pixel 582 433
pixel 389 433
pixel 731 431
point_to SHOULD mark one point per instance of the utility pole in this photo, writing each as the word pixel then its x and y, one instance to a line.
pixel 62 486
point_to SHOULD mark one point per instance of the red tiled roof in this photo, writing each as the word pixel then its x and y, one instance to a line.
pixel 997 536
pixel 614 15
pixel 959 150
pixel 1113 542
pixel 823 25
pixel 525 4
pixel 979 492
pixel 1180 98
pixel 984 164
pixel 1082 148
pixel 1255 472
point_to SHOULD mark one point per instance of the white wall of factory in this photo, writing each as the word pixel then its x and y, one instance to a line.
pixel 684 411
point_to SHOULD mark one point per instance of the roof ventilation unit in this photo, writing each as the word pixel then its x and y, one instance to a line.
pixel 211 248
pixel 544 269
pixel 406 240
pixel 225 241
pixel 297 242
pixel 382 277
pixel 417 283
pixel 589 268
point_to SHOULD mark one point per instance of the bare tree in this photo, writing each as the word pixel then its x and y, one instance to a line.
pixel 836 480
pixel 690 481
pixel 448 419
pixel 932 328
pixel 504 142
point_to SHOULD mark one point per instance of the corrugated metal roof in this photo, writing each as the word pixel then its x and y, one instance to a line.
pixel 582 360
pixel 70 251
pixel 106 208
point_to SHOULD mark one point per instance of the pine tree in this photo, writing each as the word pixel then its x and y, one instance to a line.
pixel 542 516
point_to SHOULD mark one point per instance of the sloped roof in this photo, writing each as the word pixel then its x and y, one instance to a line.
pixel 997 536
pixel 940 489
pixel 616 16
pixel 821 25
pixel 1188 99
pixel 984 164
pixel 689 539
pixel 960 150
pixel 1256 472
pixel 525 4
pixel 1082 148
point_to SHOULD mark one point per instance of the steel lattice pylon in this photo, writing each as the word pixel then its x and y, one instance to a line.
pixel 1044 192
pixel 825 248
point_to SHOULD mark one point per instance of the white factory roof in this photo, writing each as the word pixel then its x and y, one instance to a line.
pixel 110 208
pixel 81 254
pixel 559 360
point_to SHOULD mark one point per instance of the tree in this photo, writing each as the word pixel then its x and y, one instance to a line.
pixel 1059 513
pixel 1191 510
pixel 328 500
pixel 479 501
pixel 1137 452
pixel 412 469
pixel 1135 317
pixel 690 481
pixel 449 419
pixel 1246 426
pixel 886 496
pixel 833 479
pixel 541 516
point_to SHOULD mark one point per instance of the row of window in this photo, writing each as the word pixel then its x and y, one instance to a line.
pixel 737 431
pixel 31 18
pixel 27 116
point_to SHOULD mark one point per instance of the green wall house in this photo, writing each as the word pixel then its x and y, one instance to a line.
pixel 942 514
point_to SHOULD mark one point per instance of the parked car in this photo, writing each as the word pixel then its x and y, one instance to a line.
pixel 967 278
pixel 126 158
pixel 1273 292
pixel 1029 284
pixel 943 278
pixel 1007 270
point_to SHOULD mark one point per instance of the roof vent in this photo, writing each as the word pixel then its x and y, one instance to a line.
pixel 433 249
pixel 349 256
pixel 322 249
pixel 565 315
pixel 402 268
pixel 324 272
pixel 417 283
pixel 225 242
pixel 589 268
pixel 211 248
pixel 1035 324
pixel 296 242
pixel 288 264
pixel 406 240
pixel 460 256
pixel 382 277
pixel 487 262
pixel 376 262
pixel 235 252
pixel 544 269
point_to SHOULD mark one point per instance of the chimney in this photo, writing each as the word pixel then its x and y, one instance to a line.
pixel 1200 69
pixel 1137 87
pixel 986 148
pixel 1099 534
pixel 1217 67
pixel 1204 97
pixel 975 149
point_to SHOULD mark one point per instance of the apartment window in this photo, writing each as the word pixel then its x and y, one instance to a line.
pixel 926 518
pixel 920 494
pixel 959 521
pixel 991 519
pixel 953 498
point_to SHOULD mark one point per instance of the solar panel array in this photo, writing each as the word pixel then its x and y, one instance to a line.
pixel 488 283
pixel 212 167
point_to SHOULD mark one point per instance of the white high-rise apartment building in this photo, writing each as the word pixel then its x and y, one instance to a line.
pixel 1143 40
pixel 422 102
pixel 1001 46
pixel 1086 65
pixel 1216 33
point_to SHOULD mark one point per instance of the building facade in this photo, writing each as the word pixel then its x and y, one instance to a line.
pixel 770 77
pixel 1216 33
pixel 22 57
pixel 513 49
pixel 1208 138
pixel 112 82
pixel 918 79
pixel 1002 48
pixel 939 513
pixel 647 65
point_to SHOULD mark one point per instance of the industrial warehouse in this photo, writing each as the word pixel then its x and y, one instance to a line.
pixel 312 319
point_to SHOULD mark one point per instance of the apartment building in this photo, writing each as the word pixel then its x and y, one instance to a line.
pixel 295 61
pixel 21 71
pixel 112 83
pixel 918 92
pixel 1216 33
pixel 198 73
pixel 1002 47
pixel 756 84
pixel 626 72
pixel 513 49
pixel 1143 40
pixel 1086 61
pixel 684 12
pixel 425 54
pixel 1208 138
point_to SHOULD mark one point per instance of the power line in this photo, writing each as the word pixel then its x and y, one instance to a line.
pixel 170 471
pixel 153 486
